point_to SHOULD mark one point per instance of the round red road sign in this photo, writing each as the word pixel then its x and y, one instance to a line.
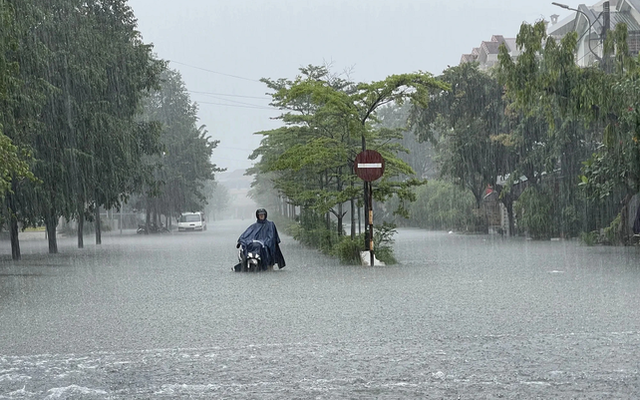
pixel 369 165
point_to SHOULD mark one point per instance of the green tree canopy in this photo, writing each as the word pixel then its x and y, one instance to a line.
pixel 327 122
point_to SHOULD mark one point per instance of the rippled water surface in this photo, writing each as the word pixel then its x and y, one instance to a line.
pixel 470 317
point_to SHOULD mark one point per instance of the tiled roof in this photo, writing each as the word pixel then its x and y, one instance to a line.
pixel 468 58
pixel 511 44
pixel 491 47
pixel 624 17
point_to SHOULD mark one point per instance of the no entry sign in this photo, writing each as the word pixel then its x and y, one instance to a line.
pixel 369 165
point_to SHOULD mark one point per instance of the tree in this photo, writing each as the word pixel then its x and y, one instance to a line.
pixel 107 149
pixel 466 124
pixel 183 168
pixel 420 155
pixel 587 110
pixel 327 121
pixel 21 99
pixel 82 69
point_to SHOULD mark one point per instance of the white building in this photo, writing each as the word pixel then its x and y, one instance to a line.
pixel 487 53
pixel 590 22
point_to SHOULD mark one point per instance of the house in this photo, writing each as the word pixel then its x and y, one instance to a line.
pixel 495 212
pixel 487 54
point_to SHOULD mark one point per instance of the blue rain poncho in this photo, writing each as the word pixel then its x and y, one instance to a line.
pixel 266 232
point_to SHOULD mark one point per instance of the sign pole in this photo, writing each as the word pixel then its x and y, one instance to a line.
pixel 369 166
pixel 371 223
pixel 366 215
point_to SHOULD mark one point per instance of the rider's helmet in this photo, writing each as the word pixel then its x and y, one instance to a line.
pixel 261 211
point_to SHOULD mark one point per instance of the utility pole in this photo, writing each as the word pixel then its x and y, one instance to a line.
pixel 590 25
pixel 606 26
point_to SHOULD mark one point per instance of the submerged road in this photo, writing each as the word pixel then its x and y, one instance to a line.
pixel 469 317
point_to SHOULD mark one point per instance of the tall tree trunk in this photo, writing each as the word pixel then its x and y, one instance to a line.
pixel 624 231
pixel 51 222
pixel 340 216
pixel 147 217
pixel 98 226
pixel 15 242
pixel 507 201
pixel 512 225
pixel 13 225
pixel 80 227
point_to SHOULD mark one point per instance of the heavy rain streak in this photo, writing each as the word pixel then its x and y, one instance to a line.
pixel 324 199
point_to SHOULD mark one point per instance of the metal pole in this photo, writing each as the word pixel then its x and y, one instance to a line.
pixel 371 223
pixel 588 31
pixel 606 24
pixel 366 215
pixel 366 200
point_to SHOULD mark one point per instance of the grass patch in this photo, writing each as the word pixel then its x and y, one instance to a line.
pixel 36 229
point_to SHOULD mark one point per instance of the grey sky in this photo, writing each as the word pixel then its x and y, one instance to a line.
pixel 241 41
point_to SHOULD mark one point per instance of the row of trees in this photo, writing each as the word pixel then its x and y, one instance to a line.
pixel 560 139
pixel 75 78
pixel 556 142
pixel 180 174
pixel 591 113
pixel 327 121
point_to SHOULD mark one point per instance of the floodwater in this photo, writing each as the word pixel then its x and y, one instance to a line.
pixel 469 317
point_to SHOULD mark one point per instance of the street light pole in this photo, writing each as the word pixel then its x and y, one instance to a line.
pixel 566 7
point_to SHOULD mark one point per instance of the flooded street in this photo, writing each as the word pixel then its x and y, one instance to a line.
pixel 471 317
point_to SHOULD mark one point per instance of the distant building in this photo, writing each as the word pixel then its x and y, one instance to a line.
pixel 487 53
pixel 590 22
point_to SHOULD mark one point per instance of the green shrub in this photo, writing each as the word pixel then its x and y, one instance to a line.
pixel 312 231
pixel 535 213
pixel 385 254
pixel 570 222
pixel 383 242
pixel 589 238
pixel 348 250
pixel 610 233
pixel 444 206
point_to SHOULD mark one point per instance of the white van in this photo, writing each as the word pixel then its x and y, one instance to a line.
pixel 192 222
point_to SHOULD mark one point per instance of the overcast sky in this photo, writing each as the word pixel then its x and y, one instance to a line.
pixel 223 47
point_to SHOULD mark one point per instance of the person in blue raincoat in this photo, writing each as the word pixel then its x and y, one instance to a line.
pixel 266 232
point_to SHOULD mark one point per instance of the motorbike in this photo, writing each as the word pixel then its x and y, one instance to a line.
pixel 153 228
pixel 250 257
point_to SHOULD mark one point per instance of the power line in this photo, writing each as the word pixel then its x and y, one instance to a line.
pixel 229 95
pixel 233 101
pixel 234 105
pixel 240 102
pixel 221 146
pixel 215 72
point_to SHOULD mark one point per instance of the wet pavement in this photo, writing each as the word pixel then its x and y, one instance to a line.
pixel 470 317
